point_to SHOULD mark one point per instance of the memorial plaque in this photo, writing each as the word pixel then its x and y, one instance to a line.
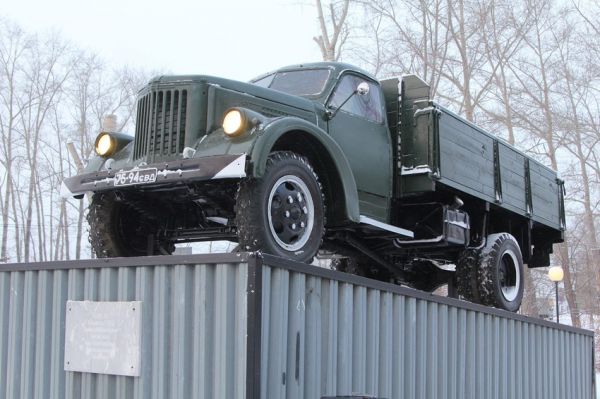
pixel 103 337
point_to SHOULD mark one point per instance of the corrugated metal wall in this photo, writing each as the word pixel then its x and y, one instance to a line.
pixel 325 337
pixel 320 336
pixel 193 331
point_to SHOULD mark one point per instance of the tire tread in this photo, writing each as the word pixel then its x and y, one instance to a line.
pixel 247 207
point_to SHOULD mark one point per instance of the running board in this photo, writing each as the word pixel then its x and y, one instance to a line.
pixel 387 227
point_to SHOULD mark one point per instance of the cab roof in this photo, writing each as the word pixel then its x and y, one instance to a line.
pixel 337 67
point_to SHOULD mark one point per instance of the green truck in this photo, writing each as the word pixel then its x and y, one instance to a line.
pixel 323 157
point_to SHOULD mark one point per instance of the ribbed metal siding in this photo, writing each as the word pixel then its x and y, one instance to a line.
pixel 325 337
pixel 320 336
pixel 193 331
pixel 160 124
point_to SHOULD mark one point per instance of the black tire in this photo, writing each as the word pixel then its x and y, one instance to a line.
pixel 266 220
pixel 466 275
pixel 500 273
pixel 492 276
pixel 121 229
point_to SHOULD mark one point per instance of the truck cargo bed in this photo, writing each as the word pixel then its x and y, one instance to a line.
pixel 443 150
pixel 255 326
pixel 484 166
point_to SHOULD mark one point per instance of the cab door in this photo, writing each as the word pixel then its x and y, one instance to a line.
pixel 360 129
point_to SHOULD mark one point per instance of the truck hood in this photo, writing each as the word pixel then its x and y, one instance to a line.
pixel 242 87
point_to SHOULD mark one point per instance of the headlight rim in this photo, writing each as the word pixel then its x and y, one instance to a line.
pixel 242 125
pixel 111 149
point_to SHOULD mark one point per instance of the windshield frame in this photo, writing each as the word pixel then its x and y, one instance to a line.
pixel 272 76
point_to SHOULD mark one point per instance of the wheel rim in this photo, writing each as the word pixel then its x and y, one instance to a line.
pixel 291 212
pixel 509 277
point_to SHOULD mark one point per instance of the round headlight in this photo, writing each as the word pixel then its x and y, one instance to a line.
pixel 105 144
pixel 233 122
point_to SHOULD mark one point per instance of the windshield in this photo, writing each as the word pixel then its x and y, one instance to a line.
pixel 304 82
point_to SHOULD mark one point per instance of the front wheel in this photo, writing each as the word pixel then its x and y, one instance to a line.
pixel 121 227
pixel 283 212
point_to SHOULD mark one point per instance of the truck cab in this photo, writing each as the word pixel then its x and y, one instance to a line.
pixel 359 125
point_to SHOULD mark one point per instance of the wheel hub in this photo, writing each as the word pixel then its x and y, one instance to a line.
pixel 508 276
pixel 290 212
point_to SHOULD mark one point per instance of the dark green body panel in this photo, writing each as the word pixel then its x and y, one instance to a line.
pixel 420 149
pixel 368 148
pixel 465 158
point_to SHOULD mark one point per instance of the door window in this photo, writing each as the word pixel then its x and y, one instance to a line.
pixel 368 106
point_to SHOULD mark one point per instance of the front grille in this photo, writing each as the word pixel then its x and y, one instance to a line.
pixel 160 126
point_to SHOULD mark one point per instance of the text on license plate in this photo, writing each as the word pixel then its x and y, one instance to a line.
pixel 139 176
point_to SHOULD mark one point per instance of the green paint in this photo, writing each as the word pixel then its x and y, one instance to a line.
pixel 361 150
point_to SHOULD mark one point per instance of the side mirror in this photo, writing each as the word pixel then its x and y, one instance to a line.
pixel 362 89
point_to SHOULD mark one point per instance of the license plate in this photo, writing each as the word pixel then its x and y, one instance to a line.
pixel 138 176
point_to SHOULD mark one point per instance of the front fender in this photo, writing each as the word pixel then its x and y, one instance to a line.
pixel 278 128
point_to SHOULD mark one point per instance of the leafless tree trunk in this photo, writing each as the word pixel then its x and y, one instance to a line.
pixel 422 48
pixel 333 28
pixel 14 43
pixel 45 77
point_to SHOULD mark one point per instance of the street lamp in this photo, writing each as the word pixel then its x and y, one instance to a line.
pixel 556 274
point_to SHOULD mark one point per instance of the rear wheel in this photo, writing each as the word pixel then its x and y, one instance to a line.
pixel 466 275
pixel 283 212
pixel 119 228
pixel 501 273
pixel 492 276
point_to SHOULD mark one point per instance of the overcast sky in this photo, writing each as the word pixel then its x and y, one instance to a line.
pixel 234 39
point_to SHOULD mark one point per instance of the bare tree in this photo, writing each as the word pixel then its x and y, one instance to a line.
pixel 50 95
pixel 414 37
pixel 14 44
pixel 372 53
pixel 333 28
pixel 95 91
pixel 528 69
pixel 537 78
pixel 503 37
pixel 45 74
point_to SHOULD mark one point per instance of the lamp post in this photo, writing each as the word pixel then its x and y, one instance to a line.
pixel 556 274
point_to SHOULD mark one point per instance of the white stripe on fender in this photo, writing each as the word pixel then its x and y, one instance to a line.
pixel 235 169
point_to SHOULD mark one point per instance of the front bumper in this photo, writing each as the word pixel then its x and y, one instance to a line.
pixel 169 173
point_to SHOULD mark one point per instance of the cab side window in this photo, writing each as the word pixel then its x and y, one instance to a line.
pixel 368 106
